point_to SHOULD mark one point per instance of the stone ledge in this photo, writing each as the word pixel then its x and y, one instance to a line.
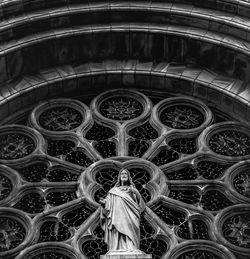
pixel 126 255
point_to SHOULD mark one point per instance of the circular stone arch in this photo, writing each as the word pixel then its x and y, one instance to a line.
pixel 156 82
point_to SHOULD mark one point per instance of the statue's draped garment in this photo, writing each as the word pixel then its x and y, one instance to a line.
pixel 120 219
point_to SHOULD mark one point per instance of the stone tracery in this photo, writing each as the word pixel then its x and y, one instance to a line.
pixel 14 146
pixel 177 162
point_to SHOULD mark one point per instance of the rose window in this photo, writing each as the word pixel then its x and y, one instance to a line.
pixel 191 168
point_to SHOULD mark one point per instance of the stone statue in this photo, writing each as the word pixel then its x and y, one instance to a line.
pixel 120 215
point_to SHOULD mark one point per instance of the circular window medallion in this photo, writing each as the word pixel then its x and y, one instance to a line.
pixel 12 233
pixel 230 143
pixel 121 108
pixel 59 115
pixel 182 113
pixel 61 118
pixel 232 228
pixel 53 251
pixel 181 117
pixel 238 180
pixel 241 183
pixel 236 229
pixel 15 146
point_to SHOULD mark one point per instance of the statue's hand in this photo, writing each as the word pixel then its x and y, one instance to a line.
pixel 134 190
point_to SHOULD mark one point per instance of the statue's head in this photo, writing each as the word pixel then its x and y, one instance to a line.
pixel 125 177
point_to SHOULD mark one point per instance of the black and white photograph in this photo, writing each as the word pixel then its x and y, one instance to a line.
pixel 124 129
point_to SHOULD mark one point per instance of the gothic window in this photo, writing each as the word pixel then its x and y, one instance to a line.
pixel 192 171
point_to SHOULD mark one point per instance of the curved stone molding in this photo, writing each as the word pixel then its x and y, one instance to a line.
pixel 182 114
pixel 232 226
pixel 66 35
pixel 202 16
pixel 154 185
pixel 9 184
pixel 153 76
pixel 229 141
pixel 203 249
pixel 124 106
pixel 238 180
pixel 17 143
pixel 55 250
pixel 232 7
pixel 17 231
pixel 60 116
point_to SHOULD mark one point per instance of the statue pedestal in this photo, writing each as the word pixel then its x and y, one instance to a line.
pixel 126 255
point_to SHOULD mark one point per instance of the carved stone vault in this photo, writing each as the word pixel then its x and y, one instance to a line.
pixel 190 164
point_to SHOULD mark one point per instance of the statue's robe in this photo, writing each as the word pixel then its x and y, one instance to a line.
pixel 120 219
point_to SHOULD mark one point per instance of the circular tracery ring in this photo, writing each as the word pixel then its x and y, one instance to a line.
pixel 186 168
pixel 9 184
pixel 17 143
pixel 16 231
pixel 232 228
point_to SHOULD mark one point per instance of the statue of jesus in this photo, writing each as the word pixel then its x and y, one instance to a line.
pixel 120 215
